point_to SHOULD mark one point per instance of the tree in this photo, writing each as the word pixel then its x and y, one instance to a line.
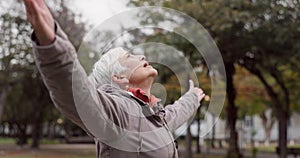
pixel 11 40
pixel 224 31
pixel 252 99
pixel 22 90
pixel 274 33
pixel 70 21
pixel 225 22
pixel 16 62
pixel 250 33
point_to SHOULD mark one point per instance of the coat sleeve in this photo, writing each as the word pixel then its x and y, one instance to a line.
pixel 182 109
pixel 71 90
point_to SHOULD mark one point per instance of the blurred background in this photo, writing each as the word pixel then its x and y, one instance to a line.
pixel 259 41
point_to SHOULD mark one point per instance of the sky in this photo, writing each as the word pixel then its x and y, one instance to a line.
pixel 95 11
pixel 92 10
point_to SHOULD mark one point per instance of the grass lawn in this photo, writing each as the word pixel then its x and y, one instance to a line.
pixel 7 140
pixel 272 148
pixel 43 141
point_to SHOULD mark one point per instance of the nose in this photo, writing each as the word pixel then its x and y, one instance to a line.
pixel 142 57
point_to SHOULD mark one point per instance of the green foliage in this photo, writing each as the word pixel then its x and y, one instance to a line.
pixel 16 66
pixel 261 36
pixel 252 98
pixel 24 97
pixel 260 33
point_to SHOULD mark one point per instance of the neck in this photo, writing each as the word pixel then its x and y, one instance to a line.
pixel 145 86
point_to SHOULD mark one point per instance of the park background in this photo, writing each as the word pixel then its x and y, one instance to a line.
pixel 259 42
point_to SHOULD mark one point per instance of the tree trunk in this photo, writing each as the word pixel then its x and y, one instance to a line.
pixel 281 106
pixel 213 134
pixel 3 96
pixel 51 129
pixel 21 134
pixel 268 135
pixel 282 112
pixel 37 133
pixel 282 135
pixel 233 150
pixel 198 147
pixel 40 106
pixel 37 129
pixel 267 122
pixel 188 143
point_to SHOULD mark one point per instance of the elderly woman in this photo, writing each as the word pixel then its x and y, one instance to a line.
pixel 114 104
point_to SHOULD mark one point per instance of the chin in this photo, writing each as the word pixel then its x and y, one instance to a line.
pixel 154 73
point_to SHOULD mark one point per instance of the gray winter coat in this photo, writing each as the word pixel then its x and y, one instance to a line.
pixel 121 124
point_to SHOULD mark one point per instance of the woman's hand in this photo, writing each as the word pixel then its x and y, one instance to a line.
pixel 38 14
pixel 199 92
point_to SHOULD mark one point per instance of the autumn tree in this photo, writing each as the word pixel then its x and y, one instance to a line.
pixel 23 96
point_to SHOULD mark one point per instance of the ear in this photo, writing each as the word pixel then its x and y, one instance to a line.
pixel 120 80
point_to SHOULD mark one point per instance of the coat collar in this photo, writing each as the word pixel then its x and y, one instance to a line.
pixel 157 109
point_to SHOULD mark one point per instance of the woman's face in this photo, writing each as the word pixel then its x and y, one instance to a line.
pixel 138 69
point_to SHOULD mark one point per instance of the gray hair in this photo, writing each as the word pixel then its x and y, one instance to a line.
pixel 107 66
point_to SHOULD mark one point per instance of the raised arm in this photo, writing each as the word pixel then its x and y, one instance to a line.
pixel 184 107
pixel 68 84
pixel 41 20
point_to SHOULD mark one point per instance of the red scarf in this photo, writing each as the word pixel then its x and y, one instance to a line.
pixel 139 93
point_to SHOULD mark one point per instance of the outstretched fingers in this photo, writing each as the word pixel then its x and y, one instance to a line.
pixel 198 91
pixel 191 84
